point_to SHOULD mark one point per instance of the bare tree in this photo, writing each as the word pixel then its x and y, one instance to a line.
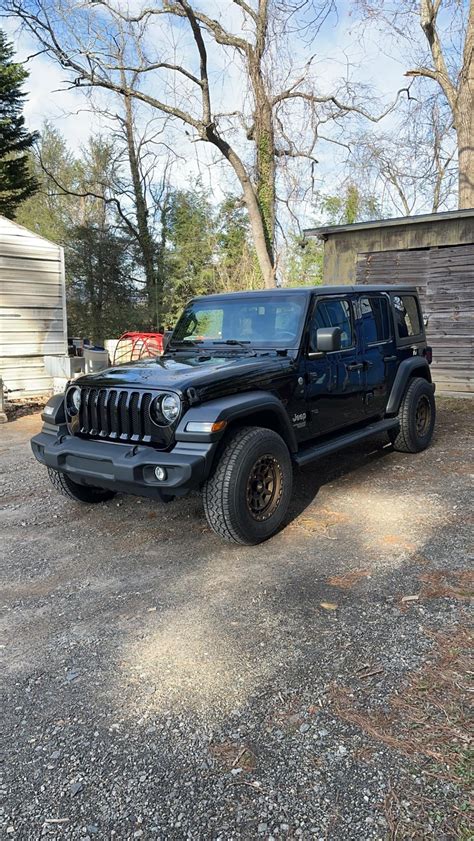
pixel 412 168
pixel 276 93
pixel 445 57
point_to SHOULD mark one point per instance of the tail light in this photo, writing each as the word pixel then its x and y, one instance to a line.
pixel 428 354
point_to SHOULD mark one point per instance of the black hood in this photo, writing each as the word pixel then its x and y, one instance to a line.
pixel 209 376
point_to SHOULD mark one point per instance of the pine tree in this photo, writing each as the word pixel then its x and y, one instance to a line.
pixel 16 181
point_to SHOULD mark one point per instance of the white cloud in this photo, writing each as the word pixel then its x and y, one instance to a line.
pixel 48 97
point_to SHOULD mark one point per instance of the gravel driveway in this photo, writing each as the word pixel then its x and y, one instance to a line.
pixel 158 683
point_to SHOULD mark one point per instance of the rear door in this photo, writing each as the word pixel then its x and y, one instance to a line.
pixel 334 381
pixel 378 346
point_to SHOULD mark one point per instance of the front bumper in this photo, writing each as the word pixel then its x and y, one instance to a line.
pixel 125 468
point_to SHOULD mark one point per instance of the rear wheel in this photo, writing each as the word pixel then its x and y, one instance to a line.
pixel 417 415
pixel 81 493
pixel 247 496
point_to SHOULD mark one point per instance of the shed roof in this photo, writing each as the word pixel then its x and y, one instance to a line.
pixel 8 227
pixel 331 230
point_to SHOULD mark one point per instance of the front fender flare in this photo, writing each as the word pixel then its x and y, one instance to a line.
pixel 235 407
pixel 417 365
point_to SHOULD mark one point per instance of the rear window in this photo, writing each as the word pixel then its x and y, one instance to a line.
pixel 375 316
pixel 407 315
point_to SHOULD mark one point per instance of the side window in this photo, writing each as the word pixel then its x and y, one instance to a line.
pixel 333 312
pixel 375 319
pixel 407 316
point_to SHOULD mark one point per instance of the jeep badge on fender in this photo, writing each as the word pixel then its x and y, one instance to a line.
pixel 251 384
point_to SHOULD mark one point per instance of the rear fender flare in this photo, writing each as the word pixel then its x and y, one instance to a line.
pixel 416 366
pixel 236 407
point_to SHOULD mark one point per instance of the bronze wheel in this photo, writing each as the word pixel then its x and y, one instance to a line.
pixel 247 495
pixel 264 487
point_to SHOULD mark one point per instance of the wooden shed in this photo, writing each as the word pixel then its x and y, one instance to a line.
pixel 32 308
pixel 436 253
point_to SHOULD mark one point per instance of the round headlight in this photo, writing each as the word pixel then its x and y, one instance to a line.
pixel 74 400
pixel 170 407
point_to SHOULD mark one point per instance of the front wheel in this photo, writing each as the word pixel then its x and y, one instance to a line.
pixel 81 493
pixel 247 496
pixel 417 415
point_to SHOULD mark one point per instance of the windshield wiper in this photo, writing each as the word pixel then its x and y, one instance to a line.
pixel 231 342
pixel 185 343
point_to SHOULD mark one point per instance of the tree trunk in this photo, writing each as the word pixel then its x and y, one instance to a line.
pixel 264 137
pixel 265 180
pixel 464 119
pixel 264 255
pixel 145 238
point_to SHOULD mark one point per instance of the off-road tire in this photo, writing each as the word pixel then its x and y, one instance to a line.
pixel 80 493
pixel 226 493
pixel 414 435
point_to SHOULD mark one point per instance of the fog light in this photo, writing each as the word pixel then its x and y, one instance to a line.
pixel 160 473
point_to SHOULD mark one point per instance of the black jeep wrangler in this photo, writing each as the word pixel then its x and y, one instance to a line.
pixel 250 385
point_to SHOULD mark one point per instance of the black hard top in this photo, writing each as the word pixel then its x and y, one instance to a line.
pixel 310 290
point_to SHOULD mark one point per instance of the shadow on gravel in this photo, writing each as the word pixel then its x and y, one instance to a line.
pixel 309 480
pixel 160 683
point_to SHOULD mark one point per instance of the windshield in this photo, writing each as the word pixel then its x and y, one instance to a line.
pixel 251 320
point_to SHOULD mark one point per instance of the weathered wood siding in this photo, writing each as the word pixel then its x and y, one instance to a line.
pixel 32 308
pixel 342 249
pixel 445 281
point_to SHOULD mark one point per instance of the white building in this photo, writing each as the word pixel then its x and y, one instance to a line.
pixel 32 308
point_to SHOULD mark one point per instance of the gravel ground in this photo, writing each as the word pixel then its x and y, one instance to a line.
pixel 158 683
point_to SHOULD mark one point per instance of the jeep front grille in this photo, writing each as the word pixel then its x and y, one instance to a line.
pixel 117 414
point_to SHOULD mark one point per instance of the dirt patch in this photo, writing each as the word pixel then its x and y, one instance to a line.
pixel 429 720
pixel 347 581
pixel 321 522
pixel 450 584
pixel 20 408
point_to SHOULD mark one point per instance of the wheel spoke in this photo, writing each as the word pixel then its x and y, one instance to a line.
pixel 264 487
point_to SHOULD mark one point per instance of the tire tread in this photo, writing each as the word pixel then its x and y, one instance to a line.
pixel 404 441
pixel 216 491
pixel 86 494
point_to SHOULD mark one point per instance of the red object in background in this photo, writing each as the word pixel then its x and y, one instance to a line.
pixel 135 345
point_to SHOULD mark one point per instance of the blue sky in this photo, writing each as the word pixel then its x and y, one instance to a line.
pixel 342 43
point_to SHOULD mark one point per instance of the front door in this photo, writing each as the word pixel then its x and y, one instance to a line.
pixel 334 381
pixel 378 350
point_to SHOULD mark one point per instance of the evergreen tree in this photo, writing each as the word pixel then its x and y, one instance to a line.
pixel 236 263
pixel 53 210
pixel 351 205
pixel 190 236
pixel 16 179
pixel 102 298
pixel 303 262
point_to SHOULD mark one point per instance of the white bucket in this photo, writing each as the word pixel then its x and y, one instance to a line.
pixel 96 360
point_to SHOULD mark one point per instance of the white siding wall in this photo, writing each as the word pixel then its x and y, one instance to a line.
pixel 32 308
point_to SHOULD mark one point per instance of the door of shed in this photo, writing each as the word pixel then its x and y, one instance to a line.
pixel 444 278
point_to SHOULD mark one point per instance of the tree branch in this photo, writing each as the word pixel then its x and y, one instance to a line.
pixel 343 107
pixel 428 19
pixel 247 9
pixel 204 82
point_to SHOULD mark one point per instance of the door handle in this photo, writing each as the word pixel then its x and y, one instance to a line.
pixel 389 358
pixel 355 366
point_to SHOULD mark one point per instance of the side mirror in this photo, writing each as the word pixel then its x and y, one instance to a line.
pixel 166 338
pixel 328 339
